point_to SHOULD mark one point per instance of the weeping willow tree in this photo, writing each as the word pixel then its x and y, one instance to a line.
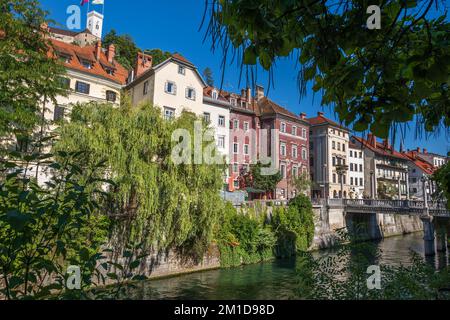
pixel 161 203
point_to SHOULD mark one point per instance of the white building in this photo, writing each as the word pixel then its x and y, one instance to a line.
pixel 419 173
pixel 173 85
pixel 216 111
pixel 356 172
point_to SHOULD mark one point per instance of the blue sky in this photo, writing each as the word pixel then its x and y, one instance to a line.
pixel 174 26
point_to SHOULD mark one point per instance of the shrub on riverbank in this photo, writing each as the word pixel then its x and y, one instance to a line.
pixel 246 238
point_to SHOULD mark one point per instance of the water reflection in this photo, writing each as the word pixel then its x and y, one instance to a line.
pixel 266 281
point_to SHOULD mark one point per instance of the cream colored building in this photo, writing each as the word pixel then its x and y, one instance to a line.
pixel 173 85
pixel 329 145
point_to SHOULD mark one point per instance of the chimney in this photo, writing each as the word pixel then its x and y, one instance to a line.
pixel 249 95
pixel 259 92
pixel 419 150
pixel 303 116
pixel 320 114
pixel 144 62
pixel 386 144
pixel 98 49
pixel 372 140
pixel 425 151
pixel 111 53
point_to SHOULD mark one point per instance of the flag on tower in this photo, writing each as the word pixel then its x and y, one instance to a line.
pixel 98 1
pixel 83 2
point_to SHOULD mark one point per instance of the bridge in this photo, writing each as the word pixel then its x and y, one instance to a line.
pixel 434 215
pixel 405 207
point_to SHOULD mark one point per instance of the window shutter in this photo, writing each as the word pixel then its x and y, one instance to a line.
pixel 174 88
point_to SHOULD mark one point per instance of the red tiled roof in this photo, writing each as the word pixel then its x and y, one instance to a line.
pixel 419 162
pixel 88 53
pixel 320 119
pixel 267 106
pixel 381 149
pixel 181 58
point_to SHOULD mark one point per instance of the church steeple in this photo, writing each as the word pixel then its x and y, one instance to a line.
pixel 95 23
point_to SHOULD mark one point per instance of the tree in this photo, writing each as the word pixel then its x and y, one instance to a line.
pixel 126 49
pixel 442 179
pixel 158 55
pixel 29 75
pixel 256 180
pixel 167 205
pixel 208 74
pixel 302 183
pixel 374 79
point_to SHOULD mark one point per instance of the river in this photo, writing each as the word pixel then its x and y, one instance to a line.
pixel 266 281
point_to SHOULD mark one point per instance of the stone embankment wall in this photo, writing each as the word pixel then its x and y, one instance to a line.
pixel 329 220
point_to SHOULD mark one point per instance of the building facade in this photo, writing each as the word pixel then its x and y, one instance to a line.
pixel 329 145
pixel 173 85
pixel 385 169
pixel 356 172
pixel 419 173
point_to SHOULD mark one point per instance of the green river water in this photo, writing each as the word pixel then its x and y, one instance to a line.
pixel 267 281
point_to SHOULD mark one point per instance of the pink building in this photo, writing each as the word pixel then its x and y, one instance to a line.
pixel 286 139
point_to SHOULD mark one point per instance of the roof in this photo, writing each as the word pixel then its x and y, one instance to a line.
pixel 67 32
pixel 268 107
pixel 425 166
pixel 381 149
pixel 223 95
pixel 179 57
pixel 88 52
pixel 321 120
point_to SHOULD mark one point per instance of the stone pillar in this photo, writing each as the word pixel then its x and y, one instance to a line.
pixel 428 238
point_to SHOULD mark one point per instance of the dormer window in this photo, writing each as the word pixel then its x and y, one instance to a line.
pixel 181 70
pixel 233 102
pixel 87 64
pixel 109 71
pixel 215 95
pixel 64 58
pixel 244 104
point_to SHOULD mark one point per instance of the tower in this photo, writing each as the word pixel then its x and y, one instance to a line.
pixel 95 23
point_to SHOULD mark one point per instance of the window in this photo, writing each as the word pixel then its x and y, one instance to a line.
pixel 351 166
pixel 361 181
pixel 169 113
pixel 339 146
pixel 86 64
pixel 221 121
pixel 109 71
pixel 333 145
pixel 283 127
pixel 171 87
pixel 351 181
pixel 334 177
pixel 111 96
pixel 283 149
pixel 235 168
pixel 283 171
pixel 58 113
pixel 233 102
pixel 244 104
pixel 246 126
pixel 351 153
pixel 304 133
pixel 295 172
pixel 304 154
pixel 294 152
pixel 343 147
pixel 294 130
pixel 334 161
pixel 145 88
pixel 221 142
pixel 246 149
pixel 181 70
pixel 190 93
pixel 360 168
pixel 235 148
pixel 235 124
pixel 64 82
pixel 82 87
pixel 360 155
pixel 207 117
pixel 215 95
